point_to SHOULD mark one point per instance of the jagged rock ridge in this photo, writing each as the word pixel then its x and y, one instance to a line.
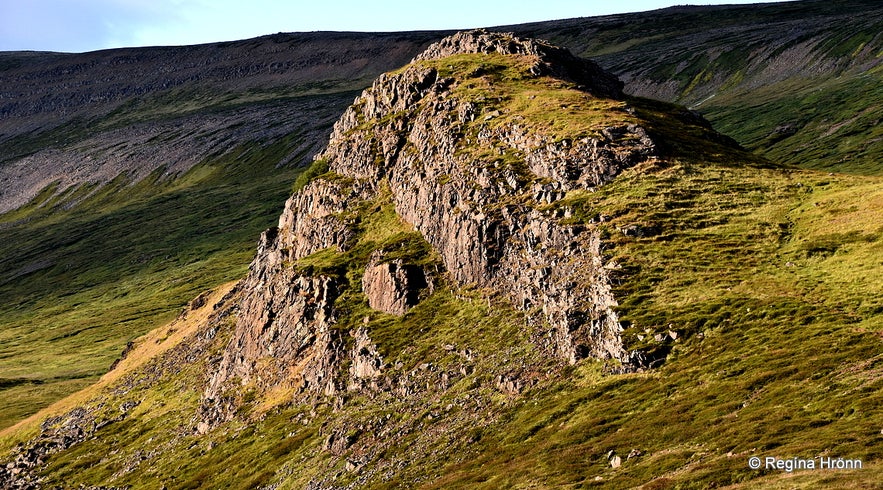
pixel 418 136
pixel 549 59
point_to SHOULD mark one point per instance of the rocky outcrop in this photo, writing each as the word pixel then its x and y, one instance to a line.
pixel 392 286
pixel 477 213
pixel 418 140
pixel 367 363
pixel 549 59
pixel 283 332
pixel 316 218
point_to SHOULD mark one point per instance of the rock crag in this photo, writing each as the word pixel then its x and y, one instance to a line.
pixel 477 181
pixel 549 59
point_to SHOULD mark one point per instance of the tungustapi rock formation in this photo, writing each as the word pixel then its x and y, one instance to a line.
pixel 442 201
pixel 499 272
pixel 477 179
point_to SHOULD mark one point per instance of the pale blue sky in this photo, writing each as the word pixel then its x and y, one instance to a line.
pixel 85 25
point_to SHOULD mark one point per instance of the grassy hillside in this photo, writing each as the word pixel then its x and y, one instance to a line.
pixel 822 124
pixel 798 82
pixel 77 284
pixel 771 281
pixel 732 63
pixel 769 278
pixel 759 284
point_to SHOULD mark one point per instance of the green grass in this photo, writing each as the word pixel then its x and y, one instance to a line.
pixel 76 285
pixel 769 277
pixel 778 350
pixel 553 107
pixel 798 82
pixel 160 420
pixel 821 124
pixel 317 168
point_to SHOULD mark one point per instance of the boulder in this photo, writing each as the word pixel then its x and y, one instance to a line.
pixel 392 286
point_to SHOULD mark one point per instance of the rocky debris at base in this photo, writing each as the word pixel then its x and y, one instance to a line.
pixel 56 434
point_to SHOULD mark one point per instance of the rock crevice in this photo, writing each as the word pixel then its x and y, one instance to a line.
pixel 393 286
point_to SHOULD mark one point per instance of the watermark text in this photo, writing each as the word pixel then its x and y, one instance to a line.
pixel 793 464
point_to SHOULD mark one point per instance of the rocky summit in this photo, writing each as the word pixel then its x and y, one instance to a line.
pixel 490 277
pixel 439 143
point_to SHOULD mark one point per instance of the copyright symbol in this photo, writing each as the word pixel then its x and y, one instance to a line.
pixel 754 462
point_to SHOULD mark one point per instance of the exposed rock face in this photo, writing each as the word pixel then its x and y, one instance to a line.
pixel 367 363
pixel 462 207
pixel 314 219
pixel 392 287
pixel 413 132
pixel 283 330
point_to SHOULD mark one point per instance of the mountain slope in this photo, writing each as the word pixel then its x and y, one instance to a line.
pixel 410 323
pixel 146 176
pixel 792 69
pixel 95 260
pixel 86 118
pixel 798 82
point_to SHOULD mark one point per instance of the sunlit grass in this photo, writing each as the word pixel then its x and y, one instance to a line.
pixel 755 293
pixel 76 285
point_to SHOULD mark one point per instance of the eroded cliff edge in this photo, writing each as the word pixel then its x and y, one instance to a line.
pixel 474 145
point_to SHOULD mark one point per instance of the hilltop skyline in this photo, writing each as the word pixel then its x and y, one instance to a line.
pixel 88 25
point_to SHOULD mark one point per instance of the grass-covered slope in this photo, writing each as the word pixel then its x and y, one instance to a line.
pixel 77 284
pixel 831 124
pixel 808 98
pixel 770 281
pixel 797 81
pixel 768 278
